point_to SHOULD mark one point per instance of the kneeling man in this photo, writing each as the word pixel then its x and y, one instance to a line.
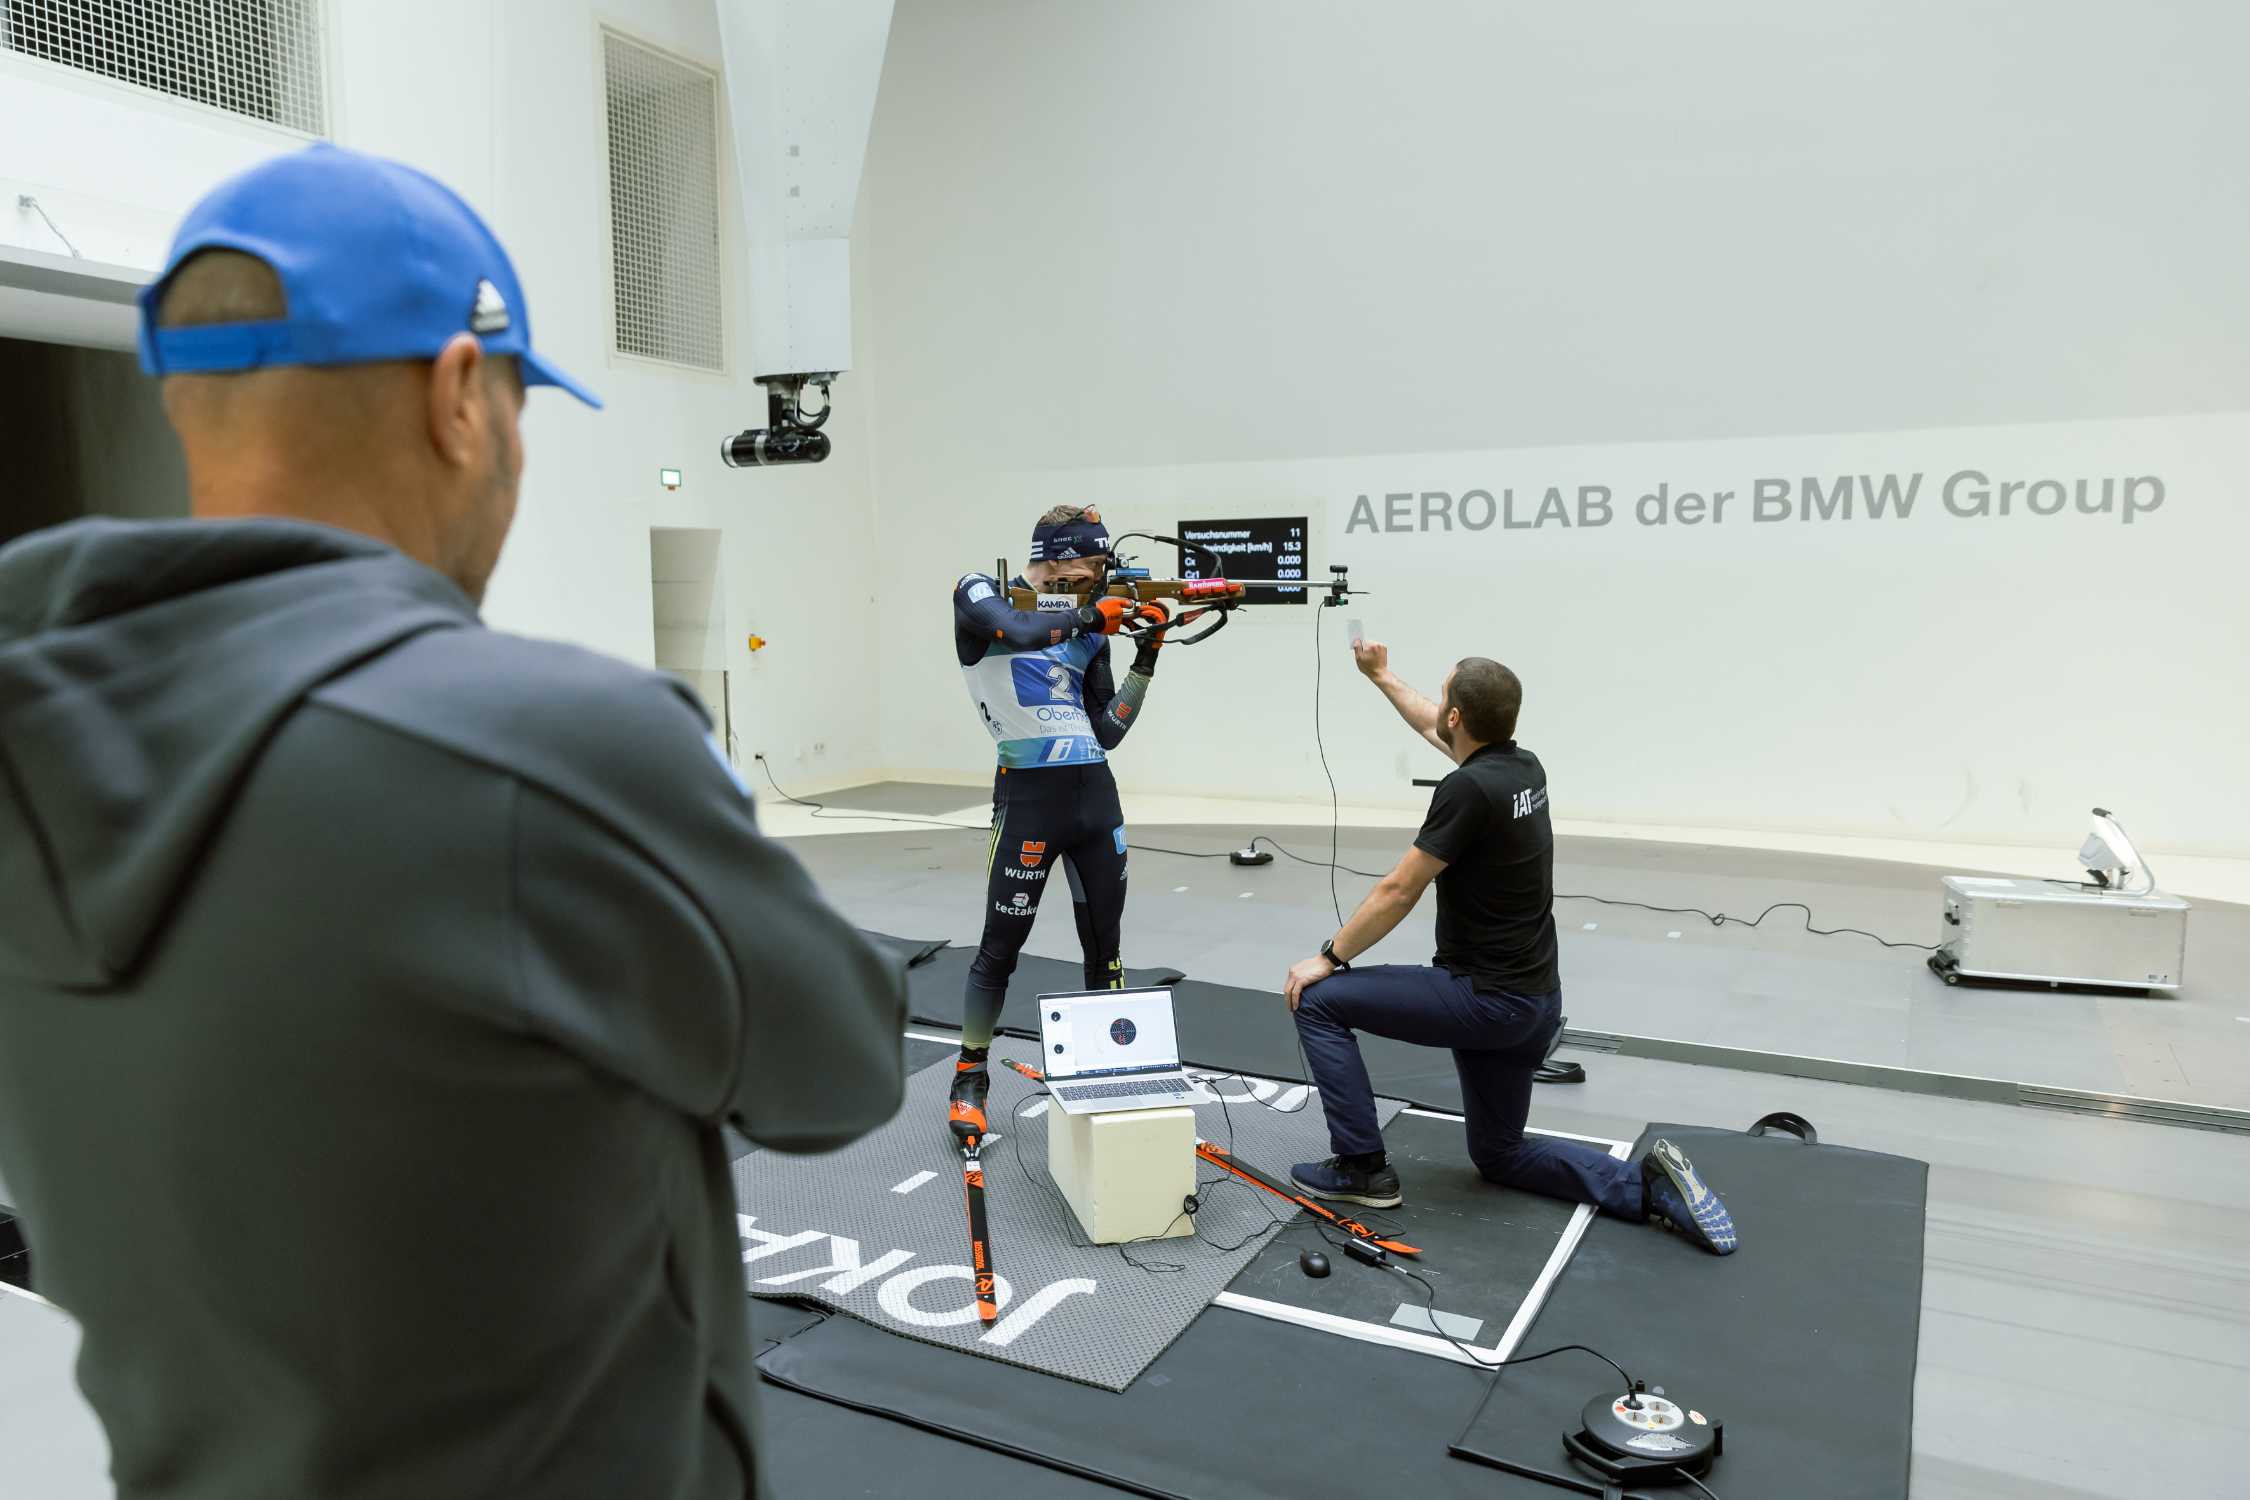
pixel 1494 993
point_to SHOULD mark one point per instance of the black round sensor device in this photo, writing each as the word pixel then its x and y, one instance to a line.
pixel 1312 1263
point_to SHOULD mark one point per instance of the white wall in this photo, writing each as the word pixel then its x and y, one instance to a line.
pixel 1187 256
pixel 508 109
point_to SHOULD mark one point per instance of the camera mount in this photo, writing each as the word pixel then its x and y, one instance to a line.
pixel 790 436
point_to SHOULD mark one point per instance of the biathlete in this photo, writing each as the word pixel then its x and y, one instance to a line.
pixel 1041 680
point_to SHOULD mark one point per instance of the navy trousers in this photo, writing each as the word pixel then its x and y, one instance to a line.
pixel 1498 1041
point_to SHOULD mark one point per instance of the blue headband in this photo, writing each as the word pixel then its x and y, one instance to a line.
pixel 1068 540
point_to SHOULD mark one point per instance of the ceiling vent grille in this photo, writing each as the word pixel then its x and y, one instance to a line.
pixel 663 205
pixel 261 59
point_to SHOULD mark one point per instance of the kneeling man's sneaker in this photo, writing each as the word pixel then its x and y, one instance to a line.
pixel 1678 1198
pixel 1339 1183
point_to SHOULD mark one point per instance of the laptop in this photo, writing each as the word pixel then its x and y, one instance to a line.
pixel 1108 1050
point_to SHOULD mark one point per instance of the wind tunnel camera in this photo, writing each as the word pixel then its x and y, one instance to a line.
pixel 790 435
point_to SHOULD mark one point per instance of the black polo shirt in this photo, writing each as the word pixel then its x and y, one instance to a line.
pixel 1495 900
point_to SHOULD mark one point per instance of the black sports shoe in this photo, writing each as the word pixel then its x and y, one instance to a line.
pixel 964 1108
pixel 1339 1183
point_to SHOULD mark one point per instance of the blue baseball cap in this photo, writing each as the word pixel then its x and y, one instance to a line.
pixel 377 261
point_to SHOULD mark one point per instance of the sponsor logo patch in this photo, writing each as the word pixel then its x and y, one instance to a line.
pixel 489 313
pixel 1033 853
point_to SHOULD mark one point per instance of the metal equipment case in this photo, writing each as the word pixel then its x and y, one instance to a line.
pixel 2060 932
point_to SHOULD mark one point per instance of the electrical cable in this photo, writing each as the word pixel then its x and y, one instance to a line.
pixel 1320 743
pixel 26 201
pixel 1206 1189
pixel 822 810
pixel 1721 919
pixel 1333 863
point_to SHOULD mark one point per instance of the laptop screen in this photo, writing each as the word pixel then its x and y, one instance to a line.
pixel 1108 1033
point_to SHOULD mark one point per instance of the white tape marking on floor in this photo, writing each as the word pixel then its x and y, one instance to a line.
pixel 914 1182
pixel 1671 934
pixel 1590 926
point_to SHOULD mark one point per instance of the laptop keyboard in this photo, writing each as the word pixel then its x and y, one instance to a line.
pixel 1120 1090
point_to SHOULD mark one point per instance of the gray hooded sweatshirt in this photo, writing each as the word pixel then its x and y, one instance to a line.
pixel 373 990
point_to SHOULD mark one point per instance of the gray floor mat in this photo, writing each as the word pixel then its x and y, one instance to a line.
pixel 906 798
pixel 878 1230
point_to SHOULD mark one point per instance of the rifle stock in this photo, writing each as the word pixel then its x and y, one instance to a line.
pixel 1223 593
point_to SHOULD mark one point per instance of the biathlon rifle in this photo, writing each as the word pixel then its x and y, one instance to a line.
pixel 1227 1162
pixel 1212 594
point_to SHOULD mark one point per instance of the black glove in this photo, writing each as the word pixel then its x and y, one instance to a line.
pixel 1153 618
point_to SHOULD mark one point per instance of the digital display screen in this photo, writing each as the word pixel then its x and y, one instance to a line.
pixel 1273 547
pixel 1124 1031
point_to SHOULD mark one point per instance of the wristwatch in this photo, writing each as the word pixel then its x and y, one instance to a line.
pixel 1328 951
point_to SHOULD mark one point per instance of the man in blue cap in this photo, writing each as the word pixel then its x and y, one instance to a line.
pixel 374 987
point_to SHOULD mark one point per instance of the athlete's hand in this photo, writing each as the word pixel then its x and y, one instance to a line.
pixel 1373 658
pixel 1149 621
pixel 1304 975
pixel 1105 616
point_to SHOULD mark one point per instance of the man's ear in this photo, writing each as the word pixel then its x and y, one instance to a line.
pixel 457 413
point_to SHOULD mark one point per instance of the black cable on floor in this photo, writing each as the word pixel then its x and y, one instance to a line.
pixel 1721 919
pixel 1332 864
pixel 822 810
pixel 1205 1191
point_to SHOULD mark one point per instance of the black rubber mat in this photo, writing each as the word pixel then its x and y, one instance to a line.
pixel 1483 1247
pixel 816 1450
pixel 1239 1406
pixel 1802 1342
pixel 910 952
pixel 776 1320
pixel 934 989
pixel 877 1230
pixel 1222 1026
pixel 15 1255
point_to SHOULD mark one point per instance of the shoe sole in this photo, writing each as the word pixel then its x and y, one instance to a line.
pixel 1364 1200
pixel 1681 1173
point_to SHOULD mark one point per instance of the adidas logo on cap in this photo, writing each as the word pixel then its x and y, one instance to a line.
pixel 490 314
